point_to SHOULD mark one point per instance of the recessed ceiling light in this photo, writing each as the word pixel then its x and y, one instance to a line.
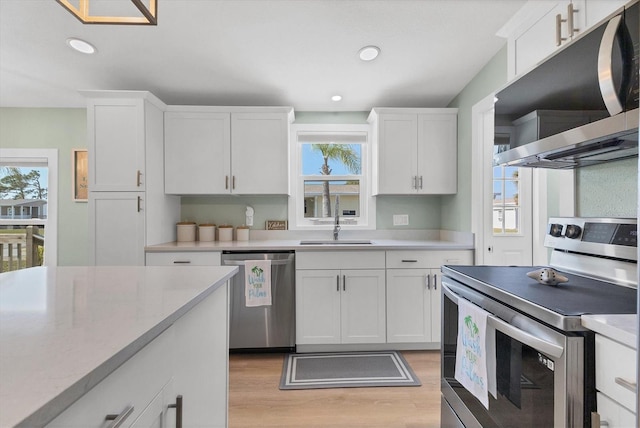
pixel 369 53
pixel 81 46
pixel 336 98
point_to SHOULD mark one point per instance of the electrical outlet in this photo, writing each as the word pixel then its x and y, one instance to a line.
pixel 400 219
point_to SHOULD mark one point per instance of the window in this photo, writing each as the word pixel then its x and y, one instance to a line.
pixel 329 162
pixel 506 204
pixel 28 195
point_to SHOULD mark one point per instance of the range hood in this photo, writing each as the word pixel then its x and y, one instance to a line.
pixel 579 107
pixel 608 139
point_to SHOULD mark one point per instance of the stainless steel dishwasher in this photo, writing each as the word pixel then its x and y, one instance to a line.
pixel 263 327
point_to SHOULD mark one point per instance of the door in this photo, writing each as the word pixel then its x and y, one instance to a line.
pixel 116 225
pixel 502 207
pixel 318 306
pixel 116 131
pixel 397 150
pixel 409 306
pixel 260 153
pixel 363 306
pixel 197 149
pixel 437 153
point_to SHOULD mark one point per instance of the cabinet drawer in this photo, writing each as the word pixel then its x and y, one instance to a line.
pixel 613 413
pixel 406 259
pixel 615 361
pixel 135 383
pixel 340 260
pixel 183 258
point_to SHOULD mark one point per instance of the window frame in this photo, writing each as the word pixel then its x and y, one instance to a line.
pixel 297 221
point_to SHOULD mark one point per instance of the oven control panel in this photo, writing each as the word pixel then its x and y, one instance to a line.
pixel 612 237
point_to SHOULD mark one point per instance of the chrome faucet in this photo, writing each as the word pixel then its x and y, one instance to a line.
pixel 336 226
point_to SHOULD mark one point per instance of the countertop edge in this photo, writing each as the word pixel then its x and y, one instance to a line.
pixel 294 245
pixel 61 402
pixel 614 327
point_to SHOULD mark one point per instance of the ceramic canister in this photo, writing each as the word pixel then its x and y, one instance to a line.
pixel 225 233
pixel 242 233
pixel 207 232
pixel 186 231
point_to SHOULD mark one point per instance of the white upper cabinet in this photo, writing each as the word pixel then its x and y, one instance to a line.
pixel 221 150
pixel 116 144
pixel 543 26
pixel 415 151
pixel 197 149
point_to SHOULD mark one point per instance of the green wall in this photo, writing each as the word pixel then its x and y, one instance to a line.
pixel 456 209
pixel 64 129
pixel 608 190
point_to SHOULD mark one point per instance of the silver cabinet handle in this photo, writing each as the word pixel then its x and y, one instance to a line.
pixel 559 38
pixel 420 183
pixel 138 178
pixel 605 67
pixel 241 262
pixel 139 204
pixel 414 182
pixel 181 262
pixel 119 419
pixel 233 182
pixel 226 182
pixel 631 386
pixel 337 282
pixel 570 12
pixel 435 281
pixel 409 261
pixel 428 281
pixel 596 422
pixel 178 406
pixel 344 283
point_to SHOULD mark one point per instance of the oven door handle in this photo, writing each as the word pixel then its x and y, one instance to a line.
pixel 541 345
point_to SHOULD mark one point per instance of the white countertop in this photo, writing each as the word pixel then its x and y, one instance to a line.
pixel 621 328
pixel 64 329
pixel 294 244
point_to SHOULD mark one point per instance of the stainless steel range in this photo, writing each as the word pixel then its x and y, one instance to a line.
pixel 544 358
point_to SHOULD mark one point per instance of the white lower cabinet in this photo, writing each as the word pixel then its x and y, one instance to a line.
pixel 190 358
pixel 615 382
pixel 344 305
pixel 413 293
pixel 183 258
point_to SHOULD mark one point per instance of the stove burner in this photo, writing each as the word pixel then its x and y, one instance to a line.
pixel 547 276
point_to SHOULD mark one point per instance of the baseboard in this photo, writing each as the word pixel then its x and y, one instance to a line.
pixel 343 347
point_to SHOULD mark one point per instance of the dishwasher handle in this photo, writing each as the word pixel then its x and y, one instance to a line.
pixel 241 262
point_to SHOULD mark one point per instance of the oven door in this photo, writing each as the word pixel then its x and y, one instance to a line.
pixel 539 371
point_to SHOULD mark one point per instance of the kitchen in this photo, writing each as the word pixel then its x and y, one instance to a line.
pixel 449 212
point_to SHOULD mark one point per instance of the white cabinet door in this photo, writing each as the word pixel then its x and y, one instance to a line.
pixel 408 306
pixel 397 146
pixel 318 307
pixel 197 149
pixel 116 144
pixel 117 228
pixel 363 306
pixel 600 9
pixel 260 153
pixel 612 414
pixel 437 153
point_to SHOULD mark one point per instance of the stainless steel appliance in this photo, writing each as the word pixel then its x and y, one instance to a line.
pixel 544 357
pixel 263 327
pixel 578 107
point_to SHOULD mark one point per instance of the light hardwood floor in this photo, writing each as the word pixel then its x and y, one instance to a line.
pixel 256 401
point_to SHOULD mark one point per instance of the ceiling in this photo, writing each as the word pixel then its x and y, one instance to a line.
pixel 255 52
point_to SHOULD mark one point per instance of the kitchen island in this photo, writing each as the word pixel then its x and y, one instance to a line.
pixel 66 331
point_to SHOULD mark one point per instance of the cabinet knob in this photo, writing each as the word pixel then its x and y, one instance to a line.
pixel 119 419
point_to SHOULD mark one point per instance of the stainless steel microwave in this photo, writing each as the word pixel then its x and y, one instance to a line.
pixel 578 107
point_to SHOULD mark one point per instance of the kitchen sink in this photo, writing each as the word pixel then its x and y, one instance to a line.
pixel 338 242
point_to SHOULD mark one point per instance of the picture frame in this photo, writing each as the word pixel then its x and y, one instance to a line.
pixel 80 175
